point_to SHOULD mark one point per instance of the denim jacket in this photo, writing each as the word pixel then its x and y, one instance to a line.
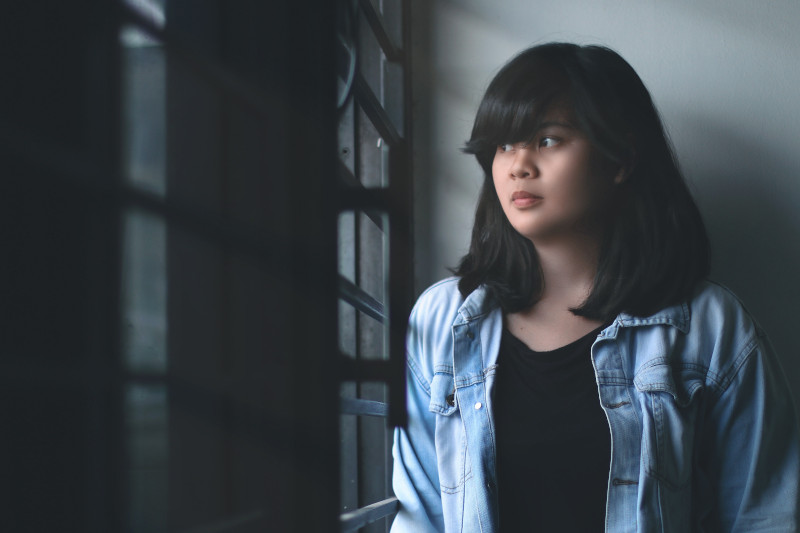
pixel 703 429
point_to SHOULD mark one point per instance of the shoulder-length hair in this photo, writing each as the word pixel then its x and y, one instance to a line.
pixel 655 248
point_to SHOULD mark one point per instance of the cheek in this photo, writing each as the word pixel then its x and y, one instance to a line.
pixel 590 195
pixel 495 171
pixel 497 180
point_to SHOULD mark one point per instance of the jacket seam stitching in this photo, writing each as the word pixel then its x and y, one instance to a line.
pixel 416 373
pixel 723 382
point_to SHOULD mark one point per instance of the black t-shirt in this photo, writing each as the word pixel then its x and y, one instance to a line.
pixel 553 441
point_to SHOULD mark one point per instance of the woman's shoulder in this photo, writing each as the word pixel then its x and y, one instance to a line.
pixel 712 333
pixel 443 288
pixel 722 331
pixel 441 316
pixel 442 299
pixel 429 334
pixel 715 307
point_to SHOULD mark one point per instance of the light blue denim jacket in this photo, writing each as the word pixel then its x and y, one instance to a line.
pixel 703 429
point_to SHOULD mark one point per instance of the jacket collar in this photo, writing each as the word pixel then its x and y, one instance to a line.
pixel 678 316
pixel 478 304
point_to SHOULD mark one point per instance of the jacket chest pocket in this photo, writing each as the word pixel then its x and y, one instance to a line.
pixel 671 413
pixel 450 439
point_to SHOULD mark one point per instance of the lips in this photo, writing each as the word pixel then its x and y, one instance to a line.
pixel 524 195
pixel 525 199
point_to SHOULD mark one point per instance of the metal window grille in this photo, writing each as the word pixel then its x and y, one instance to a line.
pixel 245 429
pixel 169 356
pixel 375 252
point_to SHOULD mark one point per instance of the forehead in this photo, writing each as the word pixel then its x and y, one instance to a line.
pixel 557 116
pixel 526 125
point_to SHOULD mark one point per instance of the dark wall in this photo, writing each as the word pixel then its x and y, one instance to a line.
pixel 250 248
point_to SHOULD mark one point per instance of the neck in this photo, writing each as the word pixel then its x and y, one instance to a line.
pixel 568 269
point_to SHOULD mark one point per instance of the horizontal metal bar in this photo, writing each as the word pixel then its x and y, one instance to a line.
pixel 361 300
pixel 351 185
pixel 356 406
pixel 229 524
pixel 375 199
pixel 375 21
pixel 366 515
pixel 203 65
pixel 365 369
pixel 347 178
pixel 375 111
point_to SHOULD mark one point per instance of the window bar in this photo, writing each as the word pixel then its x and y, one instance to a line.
pixel 395 203
pixel 364 369
pixel 359 299
pixel 349 180
pixel 83 176
pixel 391 52
pixel 375 111
pixel 400 283
pixel 363 198
pixel 234 523
pixel 355 406
pixel 366 515
pixel 401 245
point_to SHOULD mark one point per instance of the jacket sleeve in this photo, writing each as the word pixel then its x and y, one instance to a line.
pixel 415 478
pixel 752 449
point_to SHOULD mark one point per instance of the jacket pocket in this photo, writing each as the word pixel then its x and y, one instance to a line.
pixel 450 440
pixel 670 409
pixel 443 394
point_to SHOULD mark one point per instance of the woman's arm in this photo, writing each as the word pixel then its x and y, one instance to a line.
pixel 415 478
pixel 751 451
pixel 416 464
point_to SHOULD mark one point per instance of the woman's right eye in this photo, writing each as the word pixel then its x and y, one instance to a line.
pixel 506 147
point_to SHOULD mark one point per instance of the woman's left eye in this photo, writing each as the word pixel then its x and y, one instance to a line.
pixel 547 142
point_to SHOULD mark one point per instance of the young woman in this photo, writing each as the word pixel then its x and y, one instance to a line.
pixel 580 373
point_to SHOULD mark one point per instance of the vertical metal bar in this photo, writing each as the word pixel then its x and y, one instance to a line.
pixel 402 279
pixel 119 479
pixel 396 201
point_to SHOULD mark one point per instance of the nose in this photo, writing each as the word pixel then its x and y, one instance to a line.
pixel 523 165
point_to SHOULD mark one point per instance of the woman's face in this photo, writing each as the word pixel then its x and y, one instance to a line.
pixel 556 186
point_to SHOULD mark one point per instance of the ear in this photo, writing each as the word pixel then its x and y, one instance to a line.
pixel 625 170
pixel 621 175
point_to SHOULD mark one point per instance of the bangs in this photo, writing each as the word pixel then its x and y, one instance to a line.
pixel 515 106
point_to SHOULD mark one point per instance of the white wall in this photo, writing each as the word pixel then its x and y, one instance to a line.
pixel 725 75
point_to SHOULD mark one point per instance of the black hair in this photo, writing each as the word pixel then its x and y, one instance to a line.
pixel 655 248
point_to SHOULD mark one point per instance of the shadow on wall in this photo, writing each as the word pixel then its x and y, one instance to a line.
pixel 742 188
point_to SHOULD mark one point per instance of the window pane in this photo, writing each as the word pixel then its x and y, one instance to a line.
pixel 348 454
pixel 375 443
pixel 363 261
pixel 393 94
pixel 373 276
pixel 346 137
pixel 373 154
pixel 144 292
pixel 147 431
pixel 144 274
pixel 143 111
pixel 383 77
pixel 392 14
